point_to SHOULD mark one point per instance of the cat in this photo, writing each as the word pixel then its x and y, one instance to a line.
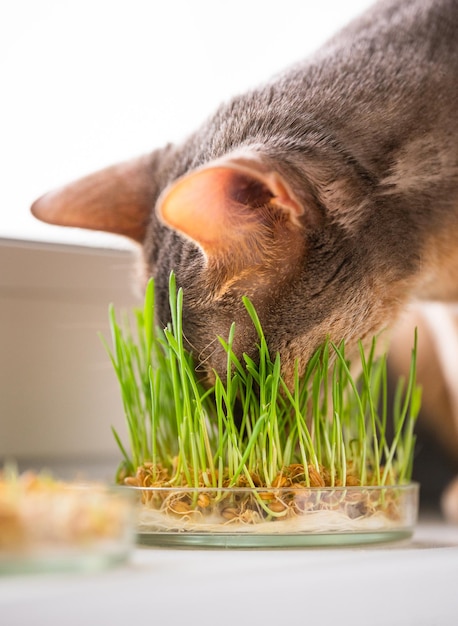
pixel 328 195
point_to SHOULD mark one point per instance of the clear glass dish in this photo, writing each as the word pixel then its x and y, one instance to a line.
pixel 48 526
pixel 277 517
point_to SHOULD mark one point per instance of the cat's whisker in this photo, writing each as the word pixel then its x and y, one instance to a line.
pixel 192 347
pixel 205 356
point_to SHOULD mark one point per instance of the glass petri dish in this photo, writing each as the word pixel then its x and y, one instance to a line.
pixel 49 526
pixel 277 517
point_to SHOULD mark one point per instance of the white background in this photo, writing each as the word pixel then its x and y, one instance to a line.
pixel 85 83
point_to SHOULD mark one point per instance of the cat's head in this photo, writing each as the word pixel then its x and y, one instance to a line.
pixel 291 236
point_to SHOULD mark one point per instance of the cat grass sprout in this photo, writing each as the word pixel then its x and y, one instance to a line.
pixel 192 459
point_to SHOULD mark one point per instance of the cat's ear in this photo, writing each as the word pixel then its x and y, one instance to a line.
pixel 229 203
pixel 118 199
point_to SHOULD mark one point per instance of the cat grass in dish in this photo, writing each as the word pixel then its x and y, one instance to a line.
pixel 252 455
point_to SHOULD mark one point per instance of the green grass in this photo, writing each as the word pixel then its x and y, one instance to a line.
pixel 330 423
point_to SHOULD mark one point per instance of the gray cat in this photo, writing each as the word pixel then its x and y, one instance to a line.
pixel 329 195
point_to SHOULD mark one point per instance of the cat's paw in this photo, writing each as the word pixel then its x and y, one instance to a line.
pixel 449 502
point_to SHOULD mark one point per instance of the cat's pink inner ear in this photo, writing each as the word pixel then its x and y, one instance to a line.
pixel 222 205
pixel 197 206
pixel 117 199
